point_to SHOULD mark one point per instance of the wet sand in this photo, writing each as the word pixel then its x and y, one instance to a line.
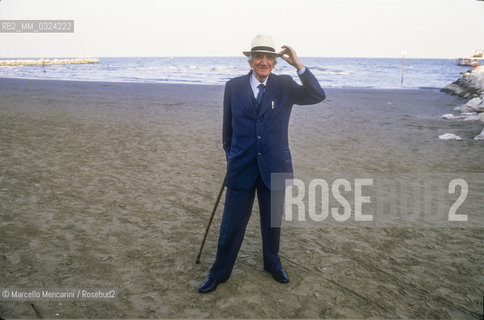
pixel 110 185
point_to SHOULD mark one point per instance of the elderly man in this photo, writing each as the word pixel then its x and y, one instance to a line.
pixel 256 114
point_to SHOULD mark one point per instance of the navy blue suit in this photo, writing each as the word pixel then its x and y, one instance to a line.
pixel 255 141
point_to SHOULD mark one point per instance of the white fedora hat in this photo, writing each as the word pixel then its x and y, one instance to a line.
pixel 262 43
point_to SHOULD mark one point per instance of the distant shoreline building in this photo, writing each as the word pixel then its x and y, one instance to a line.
pixel 46 62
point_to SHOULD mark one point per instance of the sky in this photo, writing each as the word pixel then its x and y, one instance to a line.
pixel 314 28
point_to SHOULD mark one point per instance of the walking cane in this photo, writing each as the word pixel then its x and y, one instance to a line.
pixel 210 220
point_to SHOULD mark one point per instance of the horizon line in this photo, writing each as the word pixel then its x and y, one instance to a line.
pixel 217 56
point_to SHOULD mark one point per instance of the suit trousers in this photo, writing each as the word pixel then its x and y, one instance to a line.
pixel 237 211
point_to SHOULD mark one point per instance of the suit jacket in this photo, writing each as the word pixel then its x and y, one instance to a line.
pixel 257 141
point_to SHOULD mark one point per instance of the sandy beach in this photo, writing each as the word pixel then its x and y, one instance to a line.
pixel 110 185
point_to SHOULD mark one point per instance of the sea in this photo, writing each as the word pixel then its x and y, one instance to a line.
pixel 385 73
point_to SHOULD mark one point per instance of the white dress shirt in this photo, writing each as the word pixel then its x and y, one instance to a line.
pixel 254 83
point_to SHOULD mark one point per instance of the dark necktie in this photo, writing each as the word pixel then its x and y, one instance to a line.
pixel 262 88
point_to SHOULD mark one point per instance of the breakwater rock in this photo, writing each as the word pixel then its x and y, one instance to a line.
pixel 470 86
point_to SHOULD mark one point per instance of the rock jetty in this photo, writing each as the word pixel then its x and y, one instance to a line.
pixel 469 86
pixel 46 62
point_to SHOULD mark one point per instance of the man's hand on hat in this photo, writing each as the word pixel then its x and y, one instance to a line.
pixel 287 53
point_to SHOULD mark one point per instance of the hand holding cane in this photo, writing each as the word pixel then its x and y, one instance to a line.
pixel 210 220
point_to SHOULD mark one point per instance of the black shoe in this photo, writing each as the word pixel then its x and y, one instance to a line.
pixel 208 285
pixel 280 276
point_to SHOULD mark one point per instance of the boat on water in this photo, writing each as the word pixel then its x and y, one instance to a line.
pixel 477 59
